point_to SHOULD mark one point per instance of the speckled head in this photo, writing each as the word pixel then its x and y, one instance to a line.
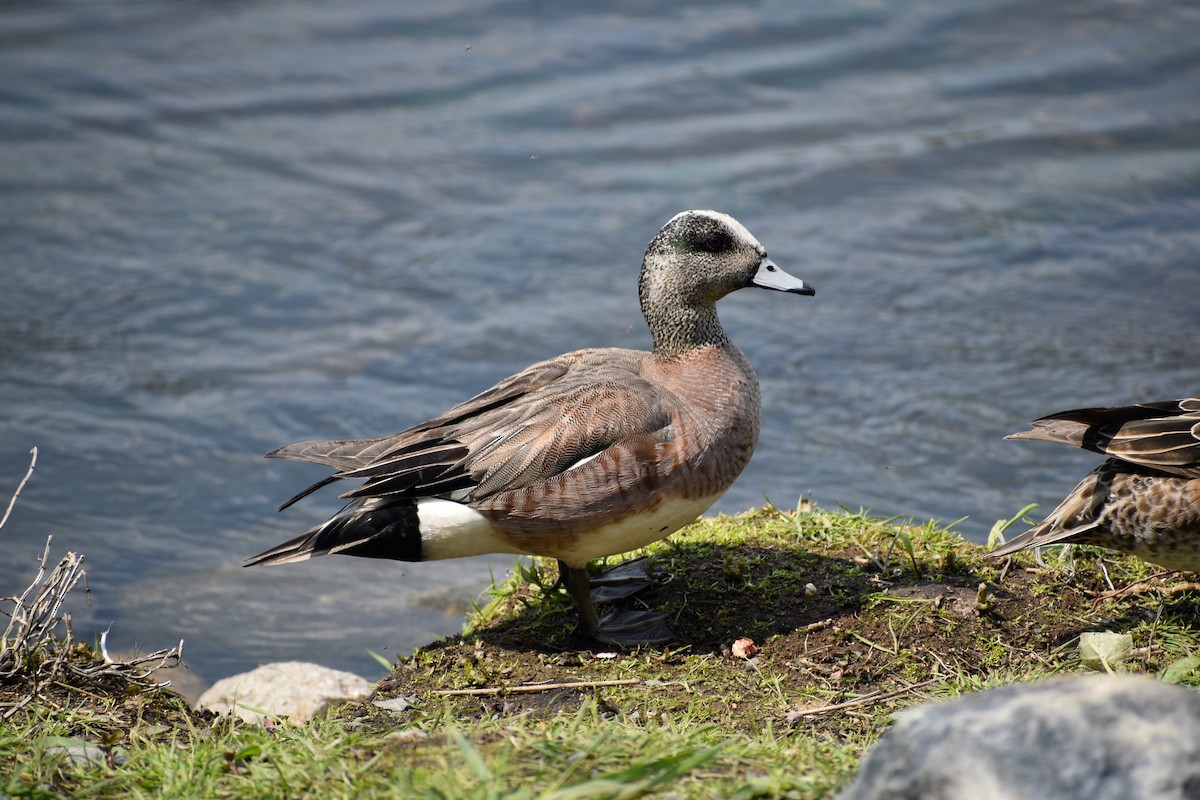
pixel 693 261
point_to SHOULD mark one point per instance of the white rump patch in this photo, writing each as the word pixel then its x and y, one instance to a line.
pixel 452 530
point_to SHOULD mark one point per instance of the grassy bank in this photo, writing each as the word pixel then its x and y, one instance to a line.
pixel 853 618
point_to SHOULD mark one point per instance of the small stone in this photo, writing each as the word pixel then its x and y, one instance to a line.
pixel 292 689
pixel 80 752
pixel 810 590
pixel 396 704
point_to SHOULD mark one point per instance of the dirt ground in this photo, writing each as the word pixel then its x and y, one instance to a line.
pixel 838 629
pixel 846 629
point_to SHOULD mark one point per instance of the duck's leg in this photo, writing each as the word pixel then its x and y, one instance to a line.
pixel 620 628
pixel 578 583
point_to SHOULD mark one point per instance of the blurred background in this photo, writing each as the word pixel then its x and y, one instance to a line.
pixel 227 226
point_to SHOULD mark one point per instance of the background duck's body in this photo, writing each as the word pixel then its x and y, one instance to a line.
pixel 592 453
pixel 1145 499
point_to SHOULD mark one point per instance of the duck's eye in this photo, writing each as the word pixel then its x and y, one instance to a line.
pixel 716 242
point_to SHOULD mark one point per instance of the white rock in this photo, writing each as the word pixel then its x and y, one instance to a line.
pixel 1085 738
pixel 292 689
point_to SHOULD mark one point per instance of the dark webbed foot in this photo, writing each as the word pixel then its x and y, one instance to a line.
pixel 624 580
pixel 619 628
pixel 633 628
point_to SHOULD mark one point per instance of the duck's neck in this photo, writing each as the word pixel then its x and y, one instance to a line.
pixel 678 329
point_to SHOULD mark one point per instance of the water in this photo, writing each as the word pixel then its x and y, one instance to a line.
pixel 230 226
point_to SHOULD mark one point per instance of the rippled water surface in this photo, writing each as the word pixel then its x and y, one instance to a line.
pixel 229 226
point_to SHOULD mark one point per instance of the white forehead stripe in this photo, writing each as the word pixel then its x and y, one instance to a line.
pixel 736 227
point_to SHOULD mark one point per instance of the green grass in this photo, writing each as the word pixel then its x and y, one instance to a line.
pixel 583 754
pixel 866 615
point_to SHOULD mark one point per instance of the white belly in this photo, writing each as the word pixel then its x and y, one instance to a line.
pixel 453 530
pixel 634 532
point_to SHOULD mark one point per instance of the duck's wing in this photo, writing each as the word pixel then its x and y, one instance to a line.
pixel 1076 517
pixel 422 452
pixel 528 428
pixel 1163 436
pixel 349 454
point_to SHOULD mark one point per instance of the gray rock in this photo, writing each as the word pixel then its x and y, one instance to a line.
pixel 1087 738
pixel 292 689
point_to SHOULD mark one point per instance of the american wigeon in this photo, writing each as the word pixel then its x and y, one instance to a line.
pixel 590 454
pixel 1145 499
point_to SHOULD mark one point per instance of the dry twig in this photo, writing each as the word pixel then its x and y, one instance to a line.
pixel 13 501
pixel 37 643
pixel 539 687
pixel 1146 587
pixel 866 699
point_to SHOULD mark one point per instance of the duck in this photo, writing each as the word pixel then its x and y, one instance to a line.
pixel 586 455
pixel 1144 499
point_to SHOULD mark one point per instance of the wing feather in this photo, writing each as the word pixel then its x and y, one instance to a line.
pixel 1163 436
pixel 525 429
